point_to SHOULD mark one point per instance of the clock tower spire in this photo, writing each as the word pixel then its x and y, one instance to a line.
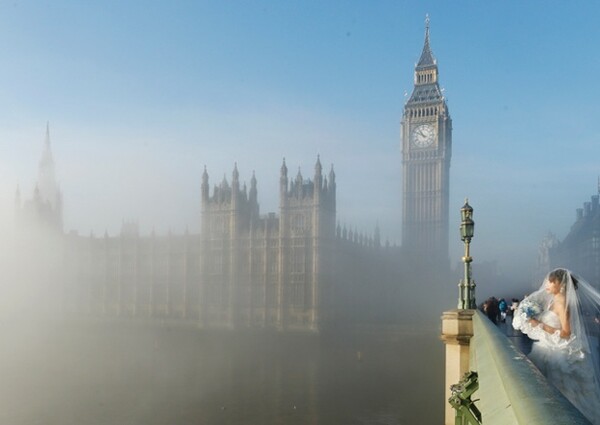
pixel 426 152
pixel 427 58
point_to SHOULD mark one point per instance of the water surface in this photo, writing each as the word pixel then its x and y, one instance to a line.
pixel 140 374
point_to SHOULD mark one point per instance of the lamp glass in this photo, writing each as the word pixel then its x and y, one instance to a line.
pixel 467 228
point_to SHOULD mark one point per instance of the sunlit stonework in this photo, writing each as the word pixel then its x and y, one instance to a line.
pixel 296 270
pixel 426 152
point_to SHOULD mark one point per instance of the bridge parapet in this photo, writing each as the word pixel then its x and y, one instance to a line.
pixel 511 389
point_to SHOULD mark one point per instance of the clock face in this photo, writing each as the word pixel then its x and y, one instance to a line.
pixel 422 136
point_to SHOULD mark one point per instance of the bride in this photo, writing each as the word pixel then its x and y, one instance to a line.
pixel 561 318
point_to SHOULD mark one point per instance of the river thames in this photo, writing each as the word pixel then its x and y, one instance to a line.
pixel 141 374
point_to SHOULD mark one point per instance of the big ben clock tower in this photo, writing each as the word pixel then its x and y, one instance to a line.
pixel 426 151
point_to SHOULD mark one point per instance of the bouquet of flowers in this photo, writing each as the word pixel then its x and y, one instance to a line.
pixel 530 308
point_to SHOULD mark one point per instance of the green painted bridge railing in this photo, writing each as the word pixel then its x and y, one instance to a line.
pixel 511 389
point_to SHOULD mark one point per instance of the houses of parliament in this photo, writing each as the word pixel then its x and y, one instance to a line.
pixel 295 270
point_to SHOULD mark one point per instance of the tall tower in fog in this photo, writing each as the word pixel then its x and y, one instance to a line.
pixel 47 185
pixel 426 151
pixel 45 208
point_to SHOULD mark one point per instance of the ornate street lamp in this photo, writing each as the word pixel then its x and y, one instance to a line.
pixel 466 287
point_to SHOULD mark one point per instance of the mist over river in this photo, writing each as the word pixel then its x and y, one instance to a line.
pixel 161 374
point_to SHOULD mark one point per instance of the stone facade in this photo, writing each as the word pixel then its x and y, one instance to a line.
pixel 580 249
pixel 268 271
pixel 296 270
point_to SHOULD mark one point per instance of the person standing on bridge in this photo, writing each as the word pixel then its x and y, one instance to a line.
pixel 559 317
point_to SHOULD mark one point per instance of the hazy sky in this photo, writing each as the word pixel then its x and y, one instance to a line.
pixel 140 95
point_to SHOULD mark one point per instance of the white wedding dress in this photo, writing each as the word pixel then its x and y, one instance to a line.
pixel 564 362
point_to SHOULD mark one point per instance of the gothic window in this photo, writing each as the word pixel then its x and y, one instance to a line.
pixel 215 262
pixel 257 260
pixel 218 224
pixel 297 295
pixel 298 223
pixel 298 261
pixel 595 242
pixel 273 263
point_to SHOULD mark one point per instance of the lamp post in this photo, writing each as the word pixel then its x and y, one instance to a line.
pixel 466 299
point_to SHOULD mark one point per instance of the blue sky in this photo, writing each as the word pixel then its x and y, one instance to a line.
pixel 140 95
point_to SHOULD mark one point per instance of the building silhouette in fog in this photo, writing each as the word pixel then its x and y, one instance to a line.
pixel 268 270
pixel 426 153
pixel 580 249
pixel 292 270
pixel 296 269
pixel 44 210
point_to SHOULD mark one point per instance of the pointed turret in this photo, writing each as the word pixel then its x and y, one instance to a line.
pixel 18 198
pixel 331 189
pixel 223 191
pixel 332 177
pixel 45 207
pixel 298 183
pixel 427 59
pixel 235 174
pixel 377 236
pixel 205 187
pixel 426 74
pixel 283 183
pixel 253 191
pixel 318 178
pixel 46 181
pixel 47 144
pixel 36 195
pixel 235 185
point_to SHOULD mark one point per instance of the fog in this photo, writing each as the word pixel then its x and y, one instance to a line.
pixel 140 98
pixel 65 367
pixel 145 120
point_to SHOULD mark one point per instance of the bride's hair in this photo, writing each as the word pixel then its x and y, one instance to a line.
pixel 560 276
